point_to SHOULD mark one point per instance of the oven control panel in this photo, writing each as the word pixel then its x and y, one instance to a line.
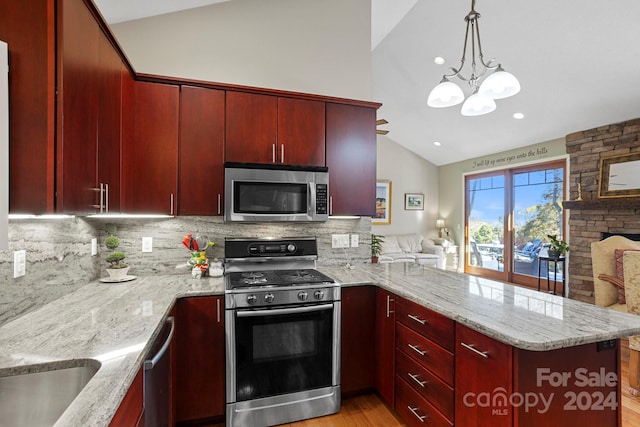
pixel 276 297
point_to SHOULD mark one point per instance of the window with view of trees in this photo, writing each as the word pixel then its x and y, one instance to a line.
pixel 509 214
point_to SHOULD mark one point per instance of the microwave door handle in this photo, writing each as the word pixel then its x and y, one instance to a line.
pixel 312 203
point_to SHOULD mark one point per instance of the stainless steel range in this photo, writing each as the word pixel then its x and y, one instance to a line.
pixel 282 330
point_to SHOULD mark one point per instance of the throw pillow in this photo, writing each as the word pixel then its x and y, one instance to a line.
pixel 619 257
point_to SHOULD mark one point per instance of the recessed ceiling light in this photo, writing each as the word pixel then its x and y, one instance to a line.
pixel 437 143
pixel 438 60
pixel 518 116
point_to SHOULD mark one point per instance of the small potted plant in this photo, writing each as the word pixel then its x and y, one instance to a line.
pixel 558 248
pixel 376 247
pixel 117 269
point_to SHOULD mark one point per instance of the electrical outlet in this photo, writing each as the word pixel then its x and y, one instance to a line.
pixel 94 247
pixel 147 244
pixel 339 240
pixel 354 240
pixel 19 263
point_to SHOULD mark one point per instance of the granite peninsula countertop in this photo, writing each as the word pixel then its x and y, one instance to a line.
pixel 115 324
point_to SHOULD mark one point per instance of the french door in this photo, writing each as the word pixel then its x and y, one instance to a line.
pixel 509 214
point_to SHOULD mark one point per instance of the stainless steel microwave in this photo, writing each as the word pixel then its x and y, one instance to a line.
pixel 273 193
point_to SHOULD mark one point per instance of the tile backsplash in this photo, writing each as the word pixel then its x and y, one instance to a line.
pixel 59 257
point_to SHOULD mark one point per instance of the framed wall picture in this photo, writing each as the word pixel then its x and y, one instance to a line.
pixel 413 202
pixel 619 176
pixel 383 203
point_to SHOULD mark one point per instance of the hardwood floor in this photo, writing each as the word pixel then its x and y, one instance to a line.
pixel 369 411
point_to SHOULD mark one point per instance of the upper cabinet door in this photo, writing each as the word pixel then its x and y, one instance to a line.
pixel 251 128
pixel 150 147
pixel 77 132
pixel 109 125
pixel 351 158
pixel 301 132
pixel 201 178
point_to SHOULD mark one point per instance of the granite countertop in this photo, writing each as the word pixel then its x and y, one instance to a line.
pixel 521 317
pixel 115 324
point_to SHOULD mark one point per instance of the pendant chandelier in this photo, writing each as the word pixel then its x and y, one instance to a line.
pixel 499 84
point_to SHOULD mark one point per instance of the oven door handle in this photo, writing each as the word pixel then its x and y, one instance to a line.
pixel 276 311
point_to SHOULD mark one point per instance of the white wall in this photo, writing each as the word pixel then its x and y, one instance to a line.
pixel 451 178
pixel 321 47
pixel 408 173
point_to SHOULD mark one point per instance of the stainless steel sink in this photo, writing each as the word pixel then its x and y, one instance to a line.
pixel 39 398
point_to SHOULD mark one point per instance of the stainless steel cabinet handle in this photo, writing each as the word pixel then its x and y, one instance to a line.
pixel 106 198
pixel 273 153
pixel 417 319
pixel 101 197
pixel 484 354
pixel 414 411
pixel 218 308
pixel 330 205
pixel 219 203
pixel 149 364
pixel 415 378
pixel 171 210
pixel 282 153
pixel 389 301
pixel 417 350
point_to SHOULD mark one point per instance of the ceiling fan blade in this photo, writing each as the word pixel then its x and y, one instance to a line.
pixel 381 122
pixel 382 132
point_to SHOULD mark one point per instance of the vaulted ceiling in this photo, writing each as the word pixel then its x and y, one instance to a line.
pixel 578 64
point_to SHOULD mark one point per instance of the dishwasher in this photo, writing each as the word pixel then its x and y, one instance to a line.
pixel 157 371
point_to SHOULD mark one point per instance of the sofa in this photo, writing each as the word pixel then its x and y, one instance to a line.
pixel 413 248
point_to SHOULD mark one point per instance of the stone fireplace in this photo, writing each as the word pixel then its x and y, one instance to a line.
pixel 592 218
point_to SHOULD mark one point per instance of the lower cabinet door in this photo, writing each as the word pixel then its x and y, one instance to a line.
pixel 415 410
pixel 131 410
pixel 199 359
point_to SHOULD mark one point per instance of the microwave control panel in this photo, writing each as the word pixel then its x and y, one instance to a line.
pixel 322 199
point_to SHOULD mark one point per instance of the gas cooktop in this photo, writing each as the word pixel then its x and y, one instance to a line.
pixel 260 278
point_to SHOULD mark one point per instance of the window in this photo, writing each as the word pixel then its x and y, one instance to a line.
pixel 509 214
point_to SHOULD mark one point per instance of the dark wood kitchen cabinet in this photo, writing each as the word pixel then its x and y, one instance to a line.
pixel 358 339
pixel 130 413
pixel 482 365
pixel 301 132
pixel 199 359
pixel 424 365
pixel 385 344
pixel 150 147
pixel 271 129
pixel 64 100
pixel 351 158
pixel 88 139
pixel 201 172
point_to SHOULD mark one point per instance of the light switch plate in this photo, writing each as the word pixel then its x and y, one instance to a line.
pixel 147 244
pixel 354 241
pixel 19 263
pixel 94 247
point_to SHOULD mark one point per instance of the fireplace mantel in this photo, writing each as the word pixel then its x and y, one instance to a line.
pixel 603 204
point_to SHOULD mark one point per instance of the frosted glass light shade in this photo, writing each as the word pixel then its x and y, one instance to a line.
pixel 477 105
pixel 439 223
pixel 500 84
pixel 445 94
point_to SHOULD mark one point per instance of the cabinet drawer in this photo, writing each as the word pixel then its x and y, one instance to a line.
pixel 415 410
pixel 428 385
pixel 425 352
pixel 432 325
